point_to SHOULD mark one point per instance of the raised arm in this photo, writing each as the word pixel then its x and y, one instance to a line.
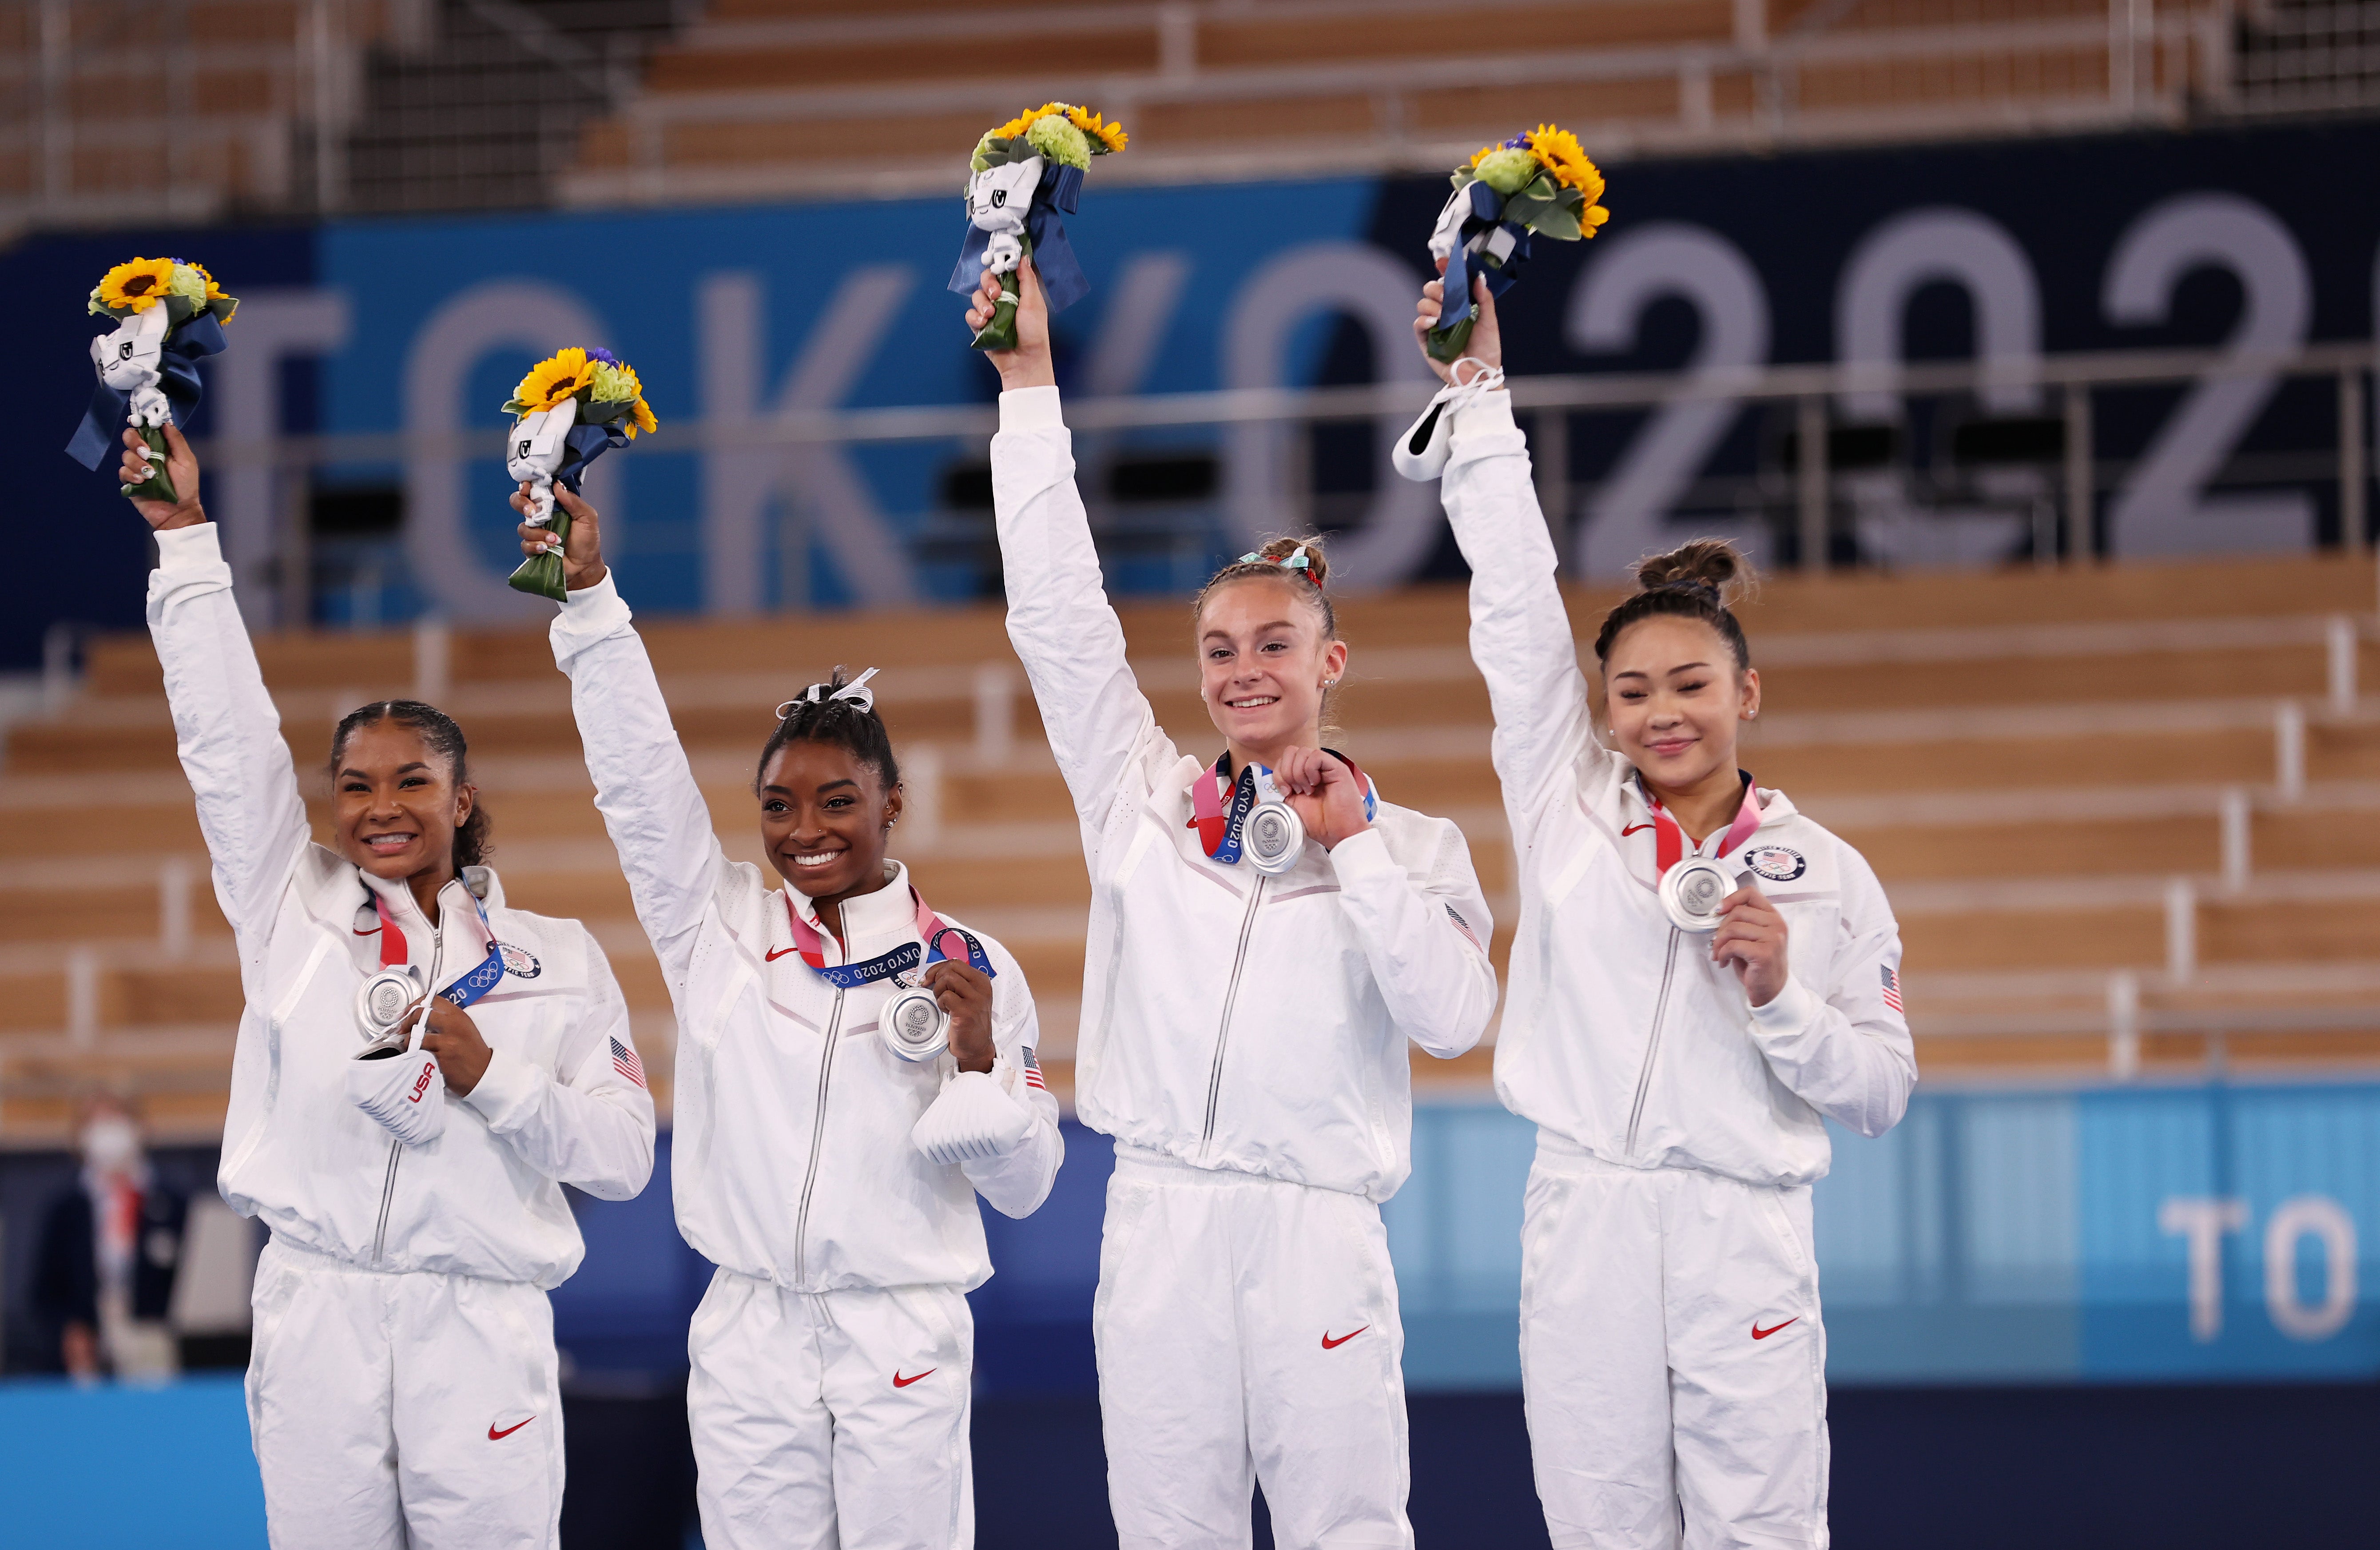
pixel 1098 722
pixel 1520 631
pixel 644 787
pixel 225 728
pixel 589 1121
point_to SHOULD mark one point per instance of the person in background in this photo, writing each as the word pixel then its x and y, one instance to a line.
pixel 109 1248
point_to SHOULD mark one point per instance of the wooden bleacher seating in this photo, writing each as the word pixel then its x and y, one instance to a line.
pixel 2028 759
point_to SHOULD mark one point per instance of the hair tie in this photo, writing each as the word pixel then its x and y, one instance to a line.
pixel 1692 586
pixel 857 692
pixel 1294 560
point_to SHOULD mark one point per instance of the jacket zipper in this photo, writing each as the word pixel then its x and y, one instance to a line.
pixel 1652 1042
pixel 818 1140
pixel 387 1196
pixel 1224 1029
pixel 396 1148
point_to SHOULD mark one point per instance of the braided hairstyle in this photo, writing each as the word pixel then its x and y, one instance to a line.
pixel 438 732
pixel 840 722
pixel 1697 580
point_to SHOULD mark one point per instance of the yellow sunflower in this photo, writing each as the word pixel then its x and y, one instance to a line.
pixel 550 382
pixel 214 292
pixel 136 286
pixel 1024 121
pixel 644 420
pixel 1558 152
pixel 1092 124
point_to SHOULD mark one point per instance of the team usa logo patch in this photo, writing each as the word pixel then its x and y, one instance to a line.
pixel 519 962
pixel 1779 863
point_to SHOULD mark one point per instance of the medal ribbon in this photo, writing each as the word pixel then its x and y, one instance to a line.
pixel 931 929
pixel 1669 840
pixel 470 986
pixel 1219 830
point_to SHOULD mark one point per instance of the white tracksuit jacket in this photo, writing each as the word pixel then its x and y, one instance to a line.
pixel 400 1309
pixel 1669 1282
pixel 1244 1039
pixel 845 1253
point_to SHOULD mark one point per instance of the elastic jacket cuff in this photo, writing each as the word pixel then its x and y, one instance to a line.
pixel 1483 415
pixel 1032 409
pixel 1363 854
pixel 1788 1012
pixel 189 548
pixel 589 614
pixel 505 1092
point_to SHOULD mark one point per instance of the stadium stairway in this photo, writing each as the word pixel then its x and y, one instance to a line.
pixel 2124 812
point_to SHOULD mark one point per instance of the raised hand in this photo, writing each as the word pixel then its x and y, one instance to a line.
pixel 1028 365
pixel 1323 791
pixel 181 466
pixel 582 557
pixel 1751 939
pixel 1487 340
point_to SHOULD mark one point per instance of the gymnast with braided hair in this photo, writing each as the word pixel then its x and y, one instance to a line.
pixel 852 1069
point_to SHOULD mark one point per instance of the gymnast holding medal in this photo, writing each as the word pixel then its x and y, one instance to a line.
pixel 420 1069
pixel 1268 938
pixel 1703 976
pixel 851 1070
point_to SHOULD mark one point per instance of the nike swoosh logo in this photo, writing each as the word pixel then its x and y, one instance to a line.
pixel 776 953
pixel 495 1436
pixel 900 1382
pixel 1634 828
pixel 1760 1334
pixel 1329 1344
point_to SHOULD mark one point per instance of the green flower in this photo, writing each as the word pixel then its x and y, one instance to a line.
pixel 1507 172
pixel 1060 142
pixel 188 283
pixel 613 385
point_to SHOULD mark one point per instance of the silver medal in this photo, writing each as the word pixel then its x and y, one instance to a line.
pixel 382 1001
pixel 913 1024
pixel 1692 890
pixel 1273 837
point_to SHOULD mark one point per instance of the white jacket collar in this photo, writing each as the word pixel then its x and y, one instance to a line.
pixel 872 922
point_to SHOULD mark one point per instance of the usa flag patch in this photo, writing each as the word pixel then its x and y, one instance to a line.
pixel 1465 926
pixel 1032 1067
pixel 1891 986
pixel 624 1061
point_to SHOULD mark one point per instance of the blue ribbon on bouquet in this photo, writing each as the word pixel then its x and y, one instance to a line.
pixel 1487 213
pixel 1063 281
pixel 583 445
pixel 100 435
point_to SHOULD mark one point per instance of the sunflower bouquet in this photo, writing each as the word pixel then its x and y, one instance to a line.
pixel 1537 183
pixel 168 314
pixel 1024 175
pixel 569 411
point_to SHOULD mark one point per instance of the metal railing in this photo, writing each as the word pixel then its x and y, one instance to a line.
pixel 1797 510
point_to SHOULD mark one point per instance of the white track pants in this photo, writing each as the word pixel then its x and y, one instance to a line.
pixel 1672 1357
pixel 1246 1323
pixel 831 1421
pixel 412 1409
